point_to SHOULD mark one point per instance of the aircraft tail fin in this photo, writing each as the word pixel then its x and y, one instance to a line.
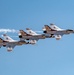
pixel 22 32
pixel 47 29
pixel 31 32
pixel 1 40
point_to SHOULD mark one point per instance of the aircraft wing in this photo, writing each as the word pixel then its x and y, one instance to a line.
pixel 54 27
pixel 7 38
pixel 31 32
pixel 21 42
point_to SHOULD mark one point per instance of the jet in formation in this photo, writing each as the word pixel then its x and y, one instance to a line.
pixel 56 32
pixel 31 37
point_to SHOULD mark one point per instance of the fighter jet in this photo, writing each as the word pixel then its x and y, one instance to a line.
pixel 53 30
pixel 30 35
pixel 9 43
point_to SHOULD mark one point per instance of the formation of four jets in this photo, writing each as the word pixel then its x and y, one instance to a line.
pixel 31 37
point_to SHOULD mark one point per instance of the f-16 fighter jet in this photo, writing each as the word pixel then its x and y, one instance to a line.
pixel 53 30
pixel 9 43
pixel 30 35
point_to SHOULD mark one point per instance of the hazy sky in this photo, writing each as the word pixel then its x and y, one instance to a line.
pixel 47 57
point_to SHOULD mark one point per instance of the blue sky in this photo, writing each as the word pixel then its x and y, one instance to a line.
pixel 47 57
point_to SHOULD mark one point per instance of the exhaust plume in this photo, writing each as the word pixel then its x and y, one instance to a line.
pixel 11 31
pixel 8 30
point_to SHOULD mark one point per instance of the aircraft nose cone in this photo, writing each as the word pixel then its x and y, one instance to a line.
pixel 69 30
pixel 73 31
